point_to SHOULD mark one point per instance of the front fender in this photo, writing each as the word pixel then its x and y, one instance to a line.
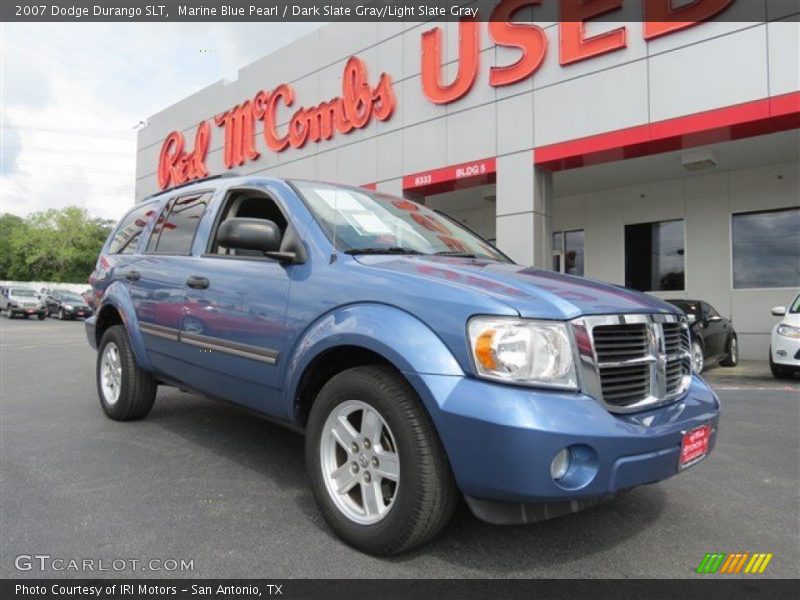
pixel 398 336
pixel 117 295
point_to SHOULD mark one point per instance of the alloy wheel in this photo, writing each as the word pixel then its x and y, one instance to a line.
pixel 111 373
pixel 359 460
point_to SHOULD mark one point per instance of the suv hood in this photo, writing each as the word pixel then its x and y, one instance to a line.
pixel 533 293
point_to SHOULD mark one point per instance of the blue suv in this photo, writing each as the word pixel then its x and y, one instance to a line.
pixel 421 363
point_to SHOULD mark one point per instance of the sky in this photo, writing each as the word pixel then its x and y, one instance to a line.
pixel 72 95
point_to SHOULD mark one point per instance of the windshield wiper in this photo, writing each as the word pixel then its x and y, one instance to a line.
pixel 456 253
pixel 383 250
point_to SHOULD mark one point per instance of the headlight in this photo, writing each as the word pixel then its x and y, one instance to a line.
pixel 68 306
pixel 537 353
pixel 789 331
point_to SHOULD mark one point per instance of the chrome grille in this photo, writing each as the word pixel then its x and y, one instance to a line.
pixel 676 346
pixel 624 385
pixel 633 362
pixel 620 342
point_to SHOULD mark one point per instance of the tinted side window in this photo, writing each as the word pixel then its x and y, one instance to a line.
pixel 126 238
pixel 174 233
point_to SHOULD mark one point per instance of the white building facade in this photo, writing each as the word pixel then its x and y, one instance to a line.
pixel 660 159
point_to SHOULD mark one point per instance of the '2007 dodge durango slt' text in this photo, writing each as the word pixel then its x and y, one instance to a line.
pixel 419 360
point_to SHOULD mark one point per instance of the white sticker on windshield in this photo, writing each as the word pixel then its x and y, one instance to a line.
pixel 340 200
pixel 367 223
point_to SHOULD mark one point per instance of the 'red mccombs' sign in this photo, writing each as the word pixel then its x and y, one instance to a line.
pixel 354 109
pixel 360 102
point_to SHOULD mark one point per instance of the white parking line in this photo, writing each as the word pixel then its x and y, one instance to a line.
pixel 738 388
pixel 42 345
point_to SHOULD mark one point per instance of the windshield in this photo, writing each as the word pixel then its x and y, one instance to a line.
pixel 362 221
pixel 21 292
pixel 71 297
pixel 690 308
pixel 795 306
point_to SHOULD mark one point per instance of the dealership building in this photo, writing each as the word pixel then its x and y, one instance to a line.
pixel 661 156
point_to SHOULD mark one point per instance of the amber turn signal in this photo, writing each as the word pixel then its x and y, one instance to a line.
pixel 483 349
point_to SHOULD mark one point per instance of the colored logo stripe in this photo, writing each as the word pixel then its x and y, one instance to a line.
pixel 721 562
pixel 735 562
pixel 711 562
pixel 758 563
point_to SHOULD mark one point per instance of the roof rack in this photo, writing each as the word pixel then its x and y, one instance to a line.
pixel 192 182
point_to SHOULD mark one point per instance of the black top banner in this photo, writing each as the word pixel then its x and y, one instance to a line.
pixel 398 10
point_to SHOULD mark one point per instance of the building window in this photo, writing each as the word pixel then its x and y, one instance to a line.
pixel 654 256
pixel 568 252
pixel 766 249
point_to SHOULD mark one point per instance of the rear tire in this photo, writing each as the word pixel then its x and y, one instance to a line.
pixel 41 316
pixel 415 505
pixel 780 371
pixel 126 391
pixel 732 359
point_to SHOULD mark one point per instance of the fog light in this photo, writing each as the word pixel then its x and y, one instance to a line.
pixel 560 464
pixel 781 353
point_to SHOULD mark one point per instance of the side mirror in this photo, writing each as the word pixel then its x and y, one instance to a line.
pixel 250 234
pixel 779 311
pixel 714 318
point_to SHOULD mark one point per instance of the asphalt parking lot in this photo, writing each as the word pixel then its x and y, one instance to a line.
pixel 207 482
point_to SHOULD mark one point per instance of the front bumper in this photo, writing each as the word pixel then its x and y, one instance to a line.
pixel 25 310
pixel 78 313
pixel 785 350
pixel 501 439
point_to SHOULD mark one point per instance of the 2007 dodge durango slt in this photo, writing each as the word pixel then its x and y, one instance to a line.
pixel 421 363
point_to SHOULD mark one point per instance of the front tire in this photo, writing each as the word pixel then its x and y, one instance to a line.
pixel 378 470
pixel 732 359
pixel 126 391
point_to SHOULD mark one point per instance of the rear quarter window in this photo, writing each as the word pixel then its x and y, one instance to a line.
pixel 126 237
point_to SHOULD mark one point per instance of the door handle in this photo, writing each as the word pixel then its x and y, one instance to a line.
pixel 197 283
pixel 133 275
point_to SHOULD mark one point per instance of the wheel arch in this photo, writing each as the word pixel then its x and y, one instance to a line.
pixel 116 308
pixel 356 335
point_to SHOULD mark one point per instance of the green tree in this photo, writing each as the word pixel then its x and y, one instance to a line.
pixel 11 265
pixel 54 245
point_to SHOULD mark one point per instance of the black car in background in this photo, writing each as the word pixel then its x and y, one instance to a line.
pixel 713 337
pixel 66 305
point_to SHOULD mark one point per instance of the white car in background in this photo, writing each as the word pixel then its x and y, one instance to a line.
pixel 784 350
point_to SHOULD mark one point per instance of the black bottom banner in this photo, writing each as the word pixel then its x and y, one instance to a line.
pixel 406 589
